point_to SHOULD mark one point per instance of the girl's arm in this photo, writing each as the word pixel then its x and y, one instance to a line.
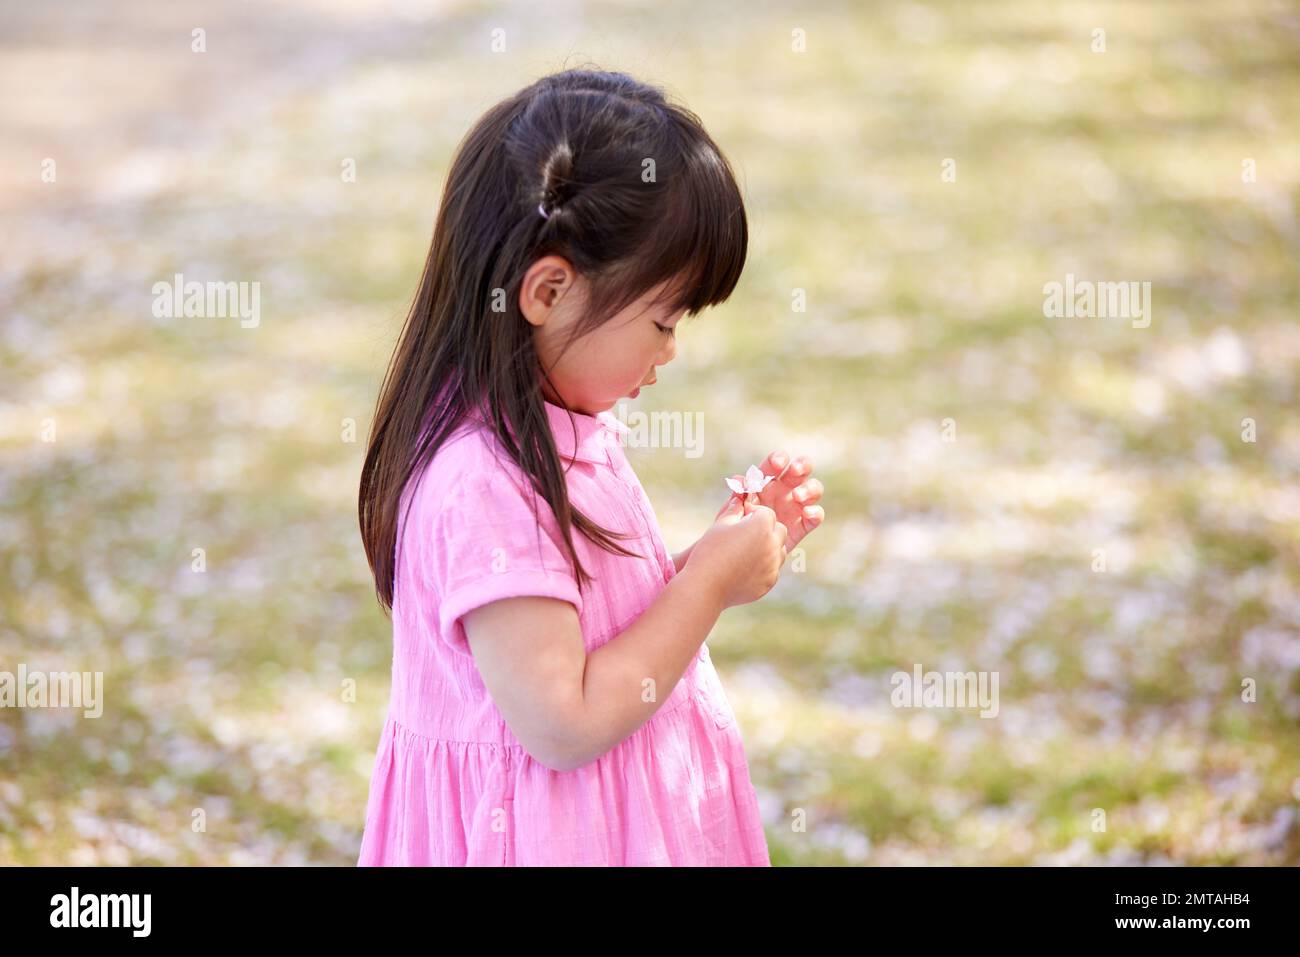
pixel 566 707
pixel 679 558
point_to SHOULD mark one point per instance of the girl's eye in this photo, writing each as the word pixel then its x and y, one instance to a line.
pixel 667 329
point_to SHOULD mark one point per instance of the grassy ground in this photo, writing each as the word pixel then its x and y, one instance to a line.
pixel 1120 690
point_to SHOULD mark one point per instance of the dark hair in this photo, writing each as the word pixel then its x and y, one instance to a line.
pixel 633 192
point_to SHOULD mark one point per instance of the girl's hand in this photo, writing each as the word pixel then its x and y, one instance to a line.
pixel 741 555
pixel 793 495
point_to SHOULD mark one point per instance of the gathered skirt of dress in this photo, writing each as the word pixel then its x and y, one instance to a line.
pixel 676 792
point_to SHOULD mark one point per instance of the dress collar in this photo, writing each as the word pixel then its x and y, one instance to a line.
pixel 584 438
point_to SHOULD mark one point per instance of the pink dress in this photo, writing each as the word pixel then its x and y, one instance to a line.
pixel 451 784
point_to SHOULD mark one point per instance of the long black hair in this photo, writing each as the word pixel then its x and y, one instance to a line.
pixel 637 194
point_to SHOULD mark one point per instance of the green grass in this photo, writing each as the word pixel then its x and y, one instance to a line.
pixel 1120 690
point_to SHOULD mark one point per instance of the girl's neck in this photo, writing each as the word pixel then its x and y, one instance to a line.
pixel 552 397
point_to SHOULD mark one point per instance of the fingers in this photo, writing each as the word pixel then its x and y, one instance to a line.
pixel 790 473
pixel 774 463
pixel 782 533
pixel 733 498
pixel 799 470
pixel 732 512
pixel 809 493
pixel 813 515
pixel 766 516
pixel 783 540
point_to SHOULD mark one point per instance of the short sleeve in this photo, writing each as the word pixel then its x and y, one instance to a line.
pixel 487 544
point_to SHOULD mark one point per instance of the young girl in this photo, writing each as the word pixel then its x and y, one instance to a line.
pixel 553 701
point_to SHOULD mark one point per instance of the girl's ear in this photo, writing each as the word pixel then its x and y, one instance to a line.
pixel 545 284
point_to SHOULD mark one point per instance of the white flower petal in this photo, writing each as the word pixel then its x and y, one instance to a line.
pixel 755 481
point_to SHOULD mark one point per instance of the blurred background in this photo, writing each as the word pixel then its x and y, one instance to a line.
pixel 1067 502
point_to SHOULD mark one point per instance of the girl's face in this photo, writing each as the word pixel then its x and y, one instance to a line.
pixel 607 364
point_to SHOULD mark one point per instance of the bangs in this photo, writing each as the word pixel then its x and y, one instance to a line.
pixel 698 240
pixel 704 234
